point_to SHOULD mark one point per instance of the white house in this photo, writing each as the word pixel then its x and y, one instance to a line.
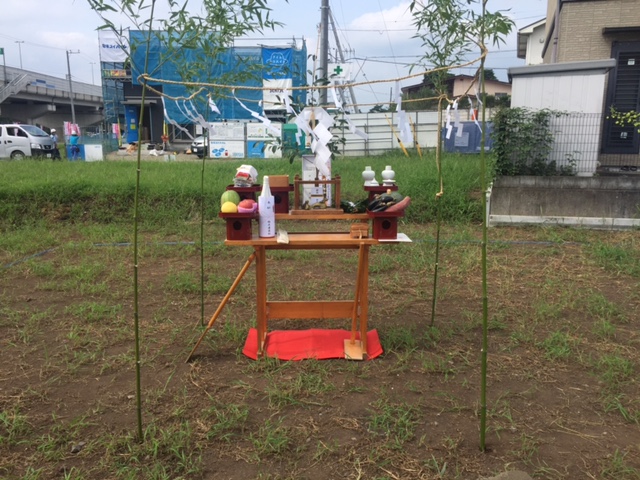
pixel 531 42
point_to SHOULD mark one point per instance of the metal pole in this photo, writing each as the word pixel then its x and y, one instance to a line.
pixel 335 36
pixel 73 109
pixel 324 48
pixel 19 42
pixel 93 81
pixel 4 61
pixel 556 33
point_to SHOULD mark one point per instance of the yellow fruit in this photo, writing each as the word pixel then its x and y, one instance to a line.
pixel 229 207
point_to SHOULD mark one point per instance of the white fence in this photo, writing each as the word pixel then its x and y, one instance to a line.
pixel 382 130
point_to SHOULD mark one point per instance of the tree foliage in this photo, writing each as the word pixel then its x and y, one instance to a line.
pixel 451 30
pixel 625 119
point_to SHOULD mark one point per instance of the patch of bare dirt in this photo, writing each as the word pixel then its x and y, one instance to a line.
pixel 562 366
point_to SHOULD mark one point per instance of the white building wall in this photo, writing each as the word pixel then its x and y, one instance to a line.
pixel 575 90
pixel 535 44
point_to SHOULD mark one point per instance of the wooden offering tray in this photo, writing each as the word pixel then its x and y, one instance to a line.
pixel 299 209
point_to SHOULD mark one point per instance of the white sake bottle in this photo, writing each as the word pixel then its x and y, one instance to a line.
pixel 266 211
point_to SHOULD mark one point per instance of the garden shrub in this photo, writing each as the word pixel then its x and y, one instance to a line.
pixel 522 141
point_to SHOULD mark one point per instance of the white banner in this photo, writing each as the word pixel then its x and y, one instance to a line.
pixel 274 93
pixel 339 71
pixel 113 47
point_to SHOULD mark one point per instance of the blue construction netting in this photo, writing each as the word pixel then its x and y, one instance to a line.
pixel 241 66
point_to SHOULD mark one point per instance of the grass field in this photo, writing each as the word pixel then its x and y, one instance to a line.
pixel 103 191
pixel 563 341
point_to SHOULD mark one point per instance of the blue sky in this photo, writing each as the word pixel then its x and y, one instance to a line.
pixel 376 34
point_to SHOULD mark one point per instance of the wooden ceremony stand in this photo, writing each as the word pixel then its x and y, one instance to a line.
pixel 356 309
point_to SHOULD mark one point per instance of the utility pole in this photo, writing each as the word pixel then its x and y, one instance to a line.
pixel 341 55
pixel 20 42
pixel 324 49
pixel 4 61
pixel 93 82
pixel 73 110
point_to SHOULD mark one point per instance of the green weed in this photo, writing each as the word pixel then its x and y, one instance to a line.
pixel 227 419
pixel 165 452
pixel 527 450
pixel 616 467
pixel 614 370
pixel 309 383
pixel 395 421
pixel 620 259
pixel 618 403
pixel 94 311
pixel 13 426
pixel 271 439
pixel 558 346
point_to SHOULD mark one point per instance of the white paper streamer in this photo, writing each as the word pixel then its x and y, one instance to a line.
pixel 335 98
pixel 352 128
pixel 195 115
pixel 479 108
pixel 173 122
pixel 320 136
pixel 355 130
pixel 402 121
pixel 447 125
pixel 265 121
pixel 456 113
pixel 213 106
pixel 398 96
pixel 456 119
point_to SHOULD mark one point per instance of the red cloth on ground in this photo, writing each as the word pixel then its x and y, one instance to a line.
pixel 315 343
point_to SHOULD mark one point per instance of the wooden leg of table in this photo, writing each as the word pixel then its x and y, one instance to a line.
pixel 261 297
pixel 223 303
pixel 356 299
pixel 353 349
pixel 364 298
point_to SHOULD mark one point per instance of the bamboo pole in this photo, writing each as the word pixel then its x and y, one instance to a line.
pixel 415 137
pixel 223 303
pixel 397 137
pixel 438 211
pixel 204 156
pixel 136 305
pixel 485 299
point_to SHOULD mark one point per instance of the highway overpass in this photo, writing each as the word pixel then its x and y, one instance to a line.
pixel 39 99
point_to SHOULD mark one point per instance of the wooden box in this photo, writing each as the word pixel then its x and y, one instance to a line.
pixel 359 230
pixel 281 197
pixel 239 225
pixel 278 181
pixel 385 224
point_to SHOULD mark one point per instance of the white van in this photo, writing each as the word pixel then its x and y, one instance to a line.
pixel 20 141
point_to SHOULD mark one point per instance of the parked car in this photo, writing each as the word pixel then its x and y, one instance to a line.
pixel 20 141
pixel 199 146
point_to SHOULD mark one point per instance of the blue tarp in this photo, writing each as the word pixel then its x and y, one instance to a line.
pixel 469 140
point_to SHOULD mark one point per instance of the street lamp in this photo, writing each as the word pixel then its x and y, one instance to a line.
pixel 93 82
pixel 20 42
pixel 73 110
